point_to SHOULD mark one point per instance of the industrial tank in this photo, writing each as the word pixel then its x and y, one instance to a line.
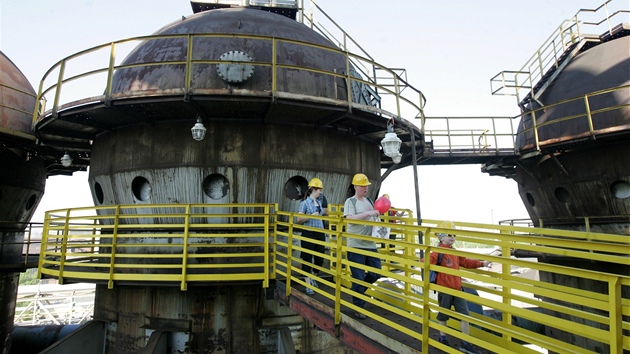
pixel 22 182
pixel 585 170
pixel 274 99
pixel 253 152
pixel 574 168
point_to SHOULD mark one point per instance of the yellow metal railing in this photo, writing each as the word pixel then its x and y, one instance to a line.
pixel 160 243
pixel 243 242
pixel 593 315
pixel 20 254
pixel 470 135
pixel 12 105
pixel 583 123
pixel 87 76
pixel 452 136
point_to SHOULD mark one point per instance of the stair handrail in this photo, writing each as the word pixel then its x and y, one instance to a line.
pixel 568 33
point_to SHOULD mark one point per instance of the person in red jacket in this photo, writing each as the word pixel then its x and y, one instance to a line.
pixel 453 282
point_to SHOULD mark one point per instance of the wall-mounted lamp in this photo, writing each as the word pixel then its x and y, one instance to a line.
pixel 198 130
pixel 66 160
pixel 391 143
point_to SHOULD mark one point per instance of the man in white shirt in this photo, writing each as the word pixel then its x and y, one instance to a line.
pixel 360 207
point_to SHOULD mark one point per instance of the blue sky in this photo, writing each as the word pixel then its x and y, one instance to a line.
pixel 450 50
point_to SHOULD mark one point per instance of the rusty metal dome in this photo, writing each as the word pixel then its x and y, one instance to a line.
pixel 234 34
pixel 17 97
pixel 601 73
pixel 233 65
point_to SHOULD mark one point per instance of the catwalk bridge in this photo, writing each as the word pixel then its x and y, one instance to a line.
pixel 108 246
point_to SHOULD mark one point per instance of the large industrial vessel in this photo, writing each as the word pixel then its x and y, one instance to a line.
pixel 201 140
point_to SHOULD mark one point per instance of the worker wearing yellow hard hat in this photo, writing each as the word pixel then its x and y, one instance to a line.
pixel 360 207
pixel 312 253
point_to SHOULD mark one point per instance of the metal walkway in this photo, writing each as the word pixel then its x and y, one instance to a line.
pixel 75 250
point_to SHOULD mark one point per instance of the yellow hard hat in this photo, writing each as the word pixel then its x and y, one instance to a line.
pixel 386 196
pixel 444 225
pixel 315 183
pixel 360 180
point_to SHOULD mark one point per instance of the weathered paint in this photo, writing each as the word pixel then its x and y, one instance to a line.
pixel 22 181
pixel 218 319
pixel 16 110
pixel 237 21
pixel 253 151
pixel 256 160
pixel 8 293
pixel 563 186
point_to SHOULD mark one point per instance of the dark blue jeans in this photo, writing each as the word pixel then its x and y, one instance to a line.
pixel 360 273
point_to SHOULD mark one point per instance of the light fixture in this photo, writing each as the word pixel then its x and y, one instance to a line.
pixel 66 160
pixel 391 143
pixel 198 130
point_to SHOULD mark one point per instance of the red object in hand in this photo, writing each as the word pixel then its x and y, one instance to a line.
pixel 382 204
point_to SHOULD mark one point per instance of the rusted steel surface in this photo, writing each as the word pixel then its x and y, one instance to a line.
pixel 22 189
pixel 364 336
pixel 8 291
pixel 219 319
pixel 359 342
pixel 17 98
pixel 600 68
pixel 576 183
pixel 22 181
pixel 254 162
pixel 300 85
pixel 237 22
pixel 259 148
pixel 315 312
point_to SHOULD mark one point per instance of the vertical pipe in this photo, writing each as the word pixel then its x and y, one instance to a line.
pixel 412 138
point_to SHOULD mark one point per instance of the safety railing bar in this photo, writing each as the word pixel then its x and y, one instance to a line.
pixel 110 67
pixel 528 239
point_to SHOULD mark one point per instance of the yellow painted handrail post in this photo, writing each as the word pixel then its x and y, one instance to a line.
pixel 188 65
pixel 426 313
pixel 555 53
pixel 409 251
pixel 64 246
pixel 494 131
pixel 274 69
pixel 110 73
pixel 274 238
pixel 62 70
pixel 448 134
pixel 615 315
pixel 535 129
pixel 289 254
pixel 184 285
pixel 338 268
pixel 28 243
pixel 587 106
pixel 506 269
pixel 94 236
pixel 348 81
pixel 38 104
pixel 112 253
pixel 44 245
pixel 397 92
pixel 266 246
